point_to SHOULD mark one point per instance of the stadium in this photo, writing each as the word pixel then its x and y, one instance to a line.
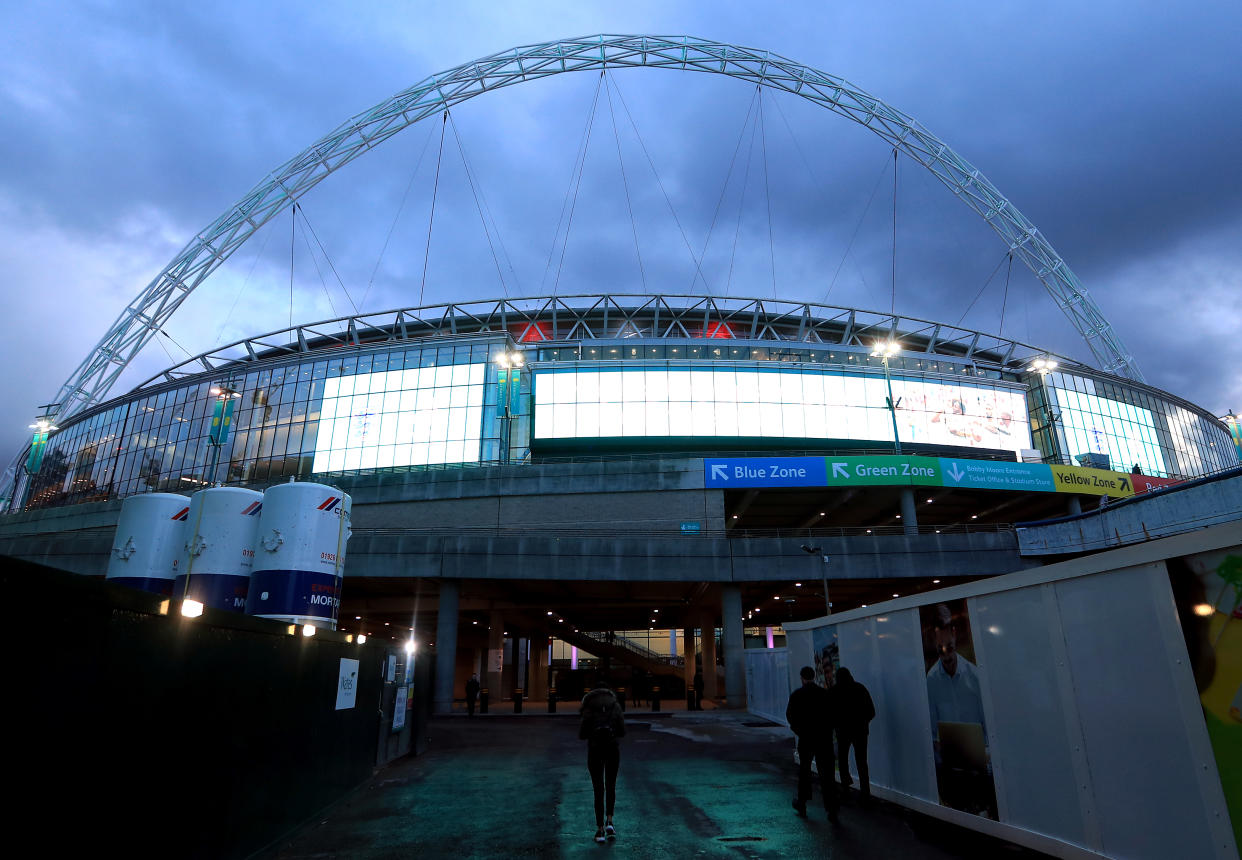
pixel 632 464
pixel 573 466
pixel 692 494
pixel 622 475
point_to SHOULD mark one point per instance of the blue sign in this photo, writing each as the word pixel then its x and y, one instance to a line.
pixel 764 472
pixel 997 475
pixel 691 527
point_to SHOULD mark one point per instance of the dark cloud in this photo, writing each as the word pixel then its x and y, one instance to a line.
pixel 128 127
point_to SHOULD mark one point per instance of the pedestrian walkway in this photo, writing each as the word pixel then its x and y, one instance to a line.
pixel 698 784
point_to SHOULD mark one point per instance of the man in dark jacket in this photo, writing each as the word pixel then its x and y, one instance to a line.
pixel 602 725
pixel 810 715
pixel 855 711
pixel 472 694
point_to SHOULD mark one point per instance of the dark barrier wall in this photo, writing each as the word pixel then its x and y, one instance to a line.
pixel 157 735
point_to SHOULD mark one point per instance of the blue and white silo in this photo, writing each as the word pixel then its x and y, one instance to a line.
pixel 300 554
pixel 147 546
pixel 218 551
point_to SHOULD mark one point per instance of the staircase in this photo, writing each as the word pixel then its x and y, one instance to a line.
pixel 623 651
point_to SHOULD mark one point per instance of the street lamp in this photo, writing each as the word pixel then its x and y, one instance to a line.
pixel 510 363
pixel 826 559
pixel 1044 366
pixel 885 349
pixel 221 423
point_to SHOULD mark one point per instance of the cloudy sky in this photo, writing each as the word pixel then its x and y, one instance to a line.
pixel 125 128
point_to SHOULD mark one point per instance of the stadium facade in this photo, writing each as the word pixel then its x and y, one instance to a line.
pixel 516 381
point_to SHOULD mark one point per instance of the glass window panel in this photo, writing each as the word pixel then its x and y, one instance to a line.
pixel 679 386
pixel 634 417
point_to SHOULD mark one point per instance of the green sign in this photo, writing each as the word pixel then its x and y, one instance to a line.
pixel 35 459
pixel 870 471
pixel 221 421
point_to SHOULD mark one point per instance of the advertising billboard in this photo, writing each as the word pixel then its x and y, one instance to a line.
pixel 412 417
pixel 575 403
pixel 955 703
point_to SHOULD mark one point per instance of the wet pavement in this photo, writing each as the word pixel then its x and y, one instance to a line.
pixel 697 784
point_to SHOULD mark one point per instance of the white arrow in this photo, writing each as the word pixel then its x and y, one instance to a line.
pixel 955 473
pixel 839 471
pixel 719 471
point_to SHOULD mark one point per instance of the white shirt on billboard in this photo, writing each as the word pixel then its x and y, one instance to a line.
pixel 954 698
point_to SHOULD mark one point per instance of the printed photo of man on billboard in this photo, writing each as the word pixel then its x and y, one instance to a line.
pixel 955 699
pixel 827 655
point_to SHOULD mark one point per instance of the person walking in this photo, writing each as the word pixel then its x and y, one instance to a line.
pixel 855 711
pixel 472 694
pixel 602 726
pixel 810 715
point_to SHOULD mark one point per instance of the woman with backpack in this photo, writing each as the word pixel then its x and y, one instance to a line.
pixel 602 725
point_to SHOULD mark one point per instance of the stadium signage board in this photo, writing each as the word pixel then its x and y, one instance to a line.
pixel 750 472
pixel 765 472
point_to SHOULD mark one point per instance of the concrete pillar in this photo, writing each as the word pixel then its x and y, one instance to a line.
pixel 731 629
pixel 446 646
pixel 538 669
pixel 687 648
pixel 708 626
pixel 909 516
pixel 1075 506
pixel 495 646
pixel 521 676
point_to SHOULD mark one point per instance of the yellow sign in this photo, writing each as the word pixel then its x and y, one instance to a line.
pixel 1092 482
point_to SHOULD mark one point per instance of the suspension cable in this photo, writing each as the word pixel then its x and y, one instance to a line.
pixel 874 189
pixel 573 204
pixel 318 271
pixel 741 205
pixel 579 158
pixel 1008 255
pixel 397 216
pixel 267 235
pixel 1005 299
pixel 741 134
pixel 477 205
pixel 893 306
pixel 324 251
pixel 767 193
pixel 616 135
pixel 495 227
pixel 672 210
pixel 293 221
pixel 431 220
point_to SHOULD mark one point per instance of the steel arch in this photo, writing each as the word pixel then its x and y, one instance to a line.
pixel 148 312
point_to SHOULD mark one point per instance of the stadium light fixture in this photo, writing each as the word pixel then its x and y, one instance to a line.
pixel 886 349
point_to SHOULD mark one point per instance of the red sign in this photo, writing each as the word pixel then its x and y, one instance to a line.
pixel 1144 483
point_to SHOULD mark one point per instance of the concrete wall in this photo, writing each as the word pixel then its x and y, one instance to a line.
pixel 1171 511
pixel 606 520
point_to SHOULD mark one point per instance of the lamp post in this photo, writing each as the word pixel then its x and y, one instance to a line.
pixel 1044 366
pixel 221 424
pixel 510 363
pixel 886 349
pixel 826 559
pixel 1235 429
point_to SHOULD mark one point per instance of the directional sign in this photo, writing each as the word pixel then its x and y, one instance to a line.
pixel 914 471
pixel 871 471
pixel 1092 482
pixel 997 475
pixel 764 472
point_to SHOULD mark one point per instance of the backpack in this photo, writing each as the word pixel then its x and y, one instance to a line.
pixel 601 731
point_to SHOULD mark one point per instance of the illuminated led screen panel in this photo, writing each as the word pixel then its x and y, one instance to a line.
pixel 803 404
pixel 413 417
pixel 1101 425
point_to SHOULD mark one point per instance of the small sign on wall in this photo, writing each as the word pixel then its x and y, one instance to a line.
pixel 398 710
pixel 495 660
pixel 390 672
pixel 347 684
